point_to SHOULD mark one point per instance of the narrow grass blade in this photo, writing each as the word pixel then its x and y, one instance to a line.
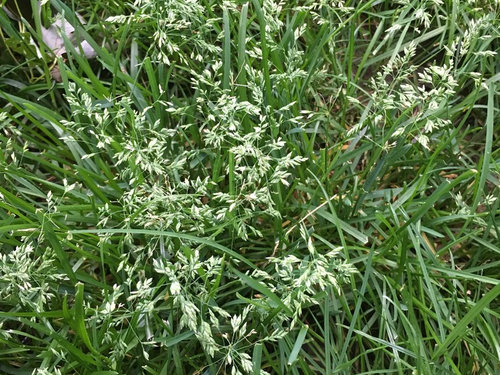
pixel 260 287
pixel 460 329
pixel 298 345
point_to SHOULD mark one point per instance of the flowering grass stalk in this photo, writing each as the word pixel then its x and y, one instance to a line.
pixel 251 187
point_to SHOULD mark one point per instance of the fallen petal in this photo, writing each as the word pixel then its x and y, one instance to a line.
pixel 87 49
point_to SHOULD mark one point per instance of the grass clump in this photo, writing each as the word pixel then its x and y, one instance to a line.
pixel 250 187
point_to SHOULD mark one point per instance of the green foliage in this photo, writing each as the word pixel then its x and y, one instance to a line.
pixel 251 187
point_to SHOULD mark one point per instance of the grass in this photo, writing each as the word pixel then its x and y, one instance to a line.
pixel 250 187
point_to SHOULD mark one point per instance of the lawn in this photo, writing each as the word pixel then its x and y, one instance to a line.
pixel 249 187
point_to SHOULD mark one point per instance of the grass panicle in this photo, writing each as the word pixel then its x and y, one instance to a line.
pixel 250 187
